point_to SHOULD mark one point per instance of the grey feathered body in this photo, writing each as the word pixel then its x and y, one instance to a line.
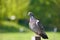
pixel 37 27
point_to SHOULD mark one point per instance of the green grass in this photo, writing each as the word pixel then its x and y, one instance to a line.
pixel 27 36
pixel 16 36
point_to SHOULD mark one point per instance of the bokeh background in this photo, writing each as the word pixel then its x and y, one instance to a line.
pixel 14 19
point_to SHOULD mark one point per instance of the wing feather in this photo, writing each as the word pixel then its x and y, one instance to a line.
pixel 39 25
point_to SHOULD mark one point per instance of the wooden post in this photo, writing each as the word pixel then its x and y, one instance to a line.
pixel 36 38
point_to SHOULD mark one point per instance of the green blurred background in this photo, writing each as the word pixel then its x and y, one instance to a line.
pixel 14 19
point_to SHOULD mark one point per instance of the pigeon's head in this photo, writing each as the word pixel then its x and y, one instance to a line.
pixel 30 14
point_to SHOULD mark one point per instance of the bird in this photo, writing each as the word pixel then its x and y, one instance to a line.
pixel 36 26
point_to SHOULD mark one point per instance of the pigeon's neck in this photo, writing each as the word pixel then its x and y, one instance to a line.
pixel 32 19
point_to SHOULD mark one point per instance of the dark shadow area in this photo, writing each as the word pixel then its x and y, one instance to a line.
pixel 50 29
pixel 23 22
pixel 4 29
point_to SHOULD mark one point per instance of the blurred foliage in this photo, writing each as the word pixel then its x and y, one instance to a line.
pixel 47 11
pixel 14 7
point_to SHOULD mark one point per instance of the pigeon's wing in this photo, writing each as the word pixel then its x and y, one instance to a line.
pixel 42 32
pixel 40 25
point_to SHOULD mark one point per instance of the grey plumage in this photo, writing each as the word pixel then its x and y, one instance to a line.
pixel 36 26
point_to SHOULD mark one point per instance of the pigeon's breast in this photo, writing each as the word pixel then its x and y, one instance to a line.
pixel 32 25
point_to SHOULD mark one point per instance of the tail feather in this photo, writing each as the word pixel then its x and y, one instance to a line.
pixel 44 36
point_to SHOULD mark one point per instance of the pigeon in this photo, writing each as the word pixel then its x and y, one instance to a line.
pixel 36 26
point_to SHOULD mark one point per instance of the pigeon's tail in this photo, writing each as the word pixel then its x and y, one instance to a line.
pixel 44 36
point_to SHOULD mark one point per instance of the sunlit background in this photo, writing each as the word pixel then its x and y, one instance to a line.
pixel 14 19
